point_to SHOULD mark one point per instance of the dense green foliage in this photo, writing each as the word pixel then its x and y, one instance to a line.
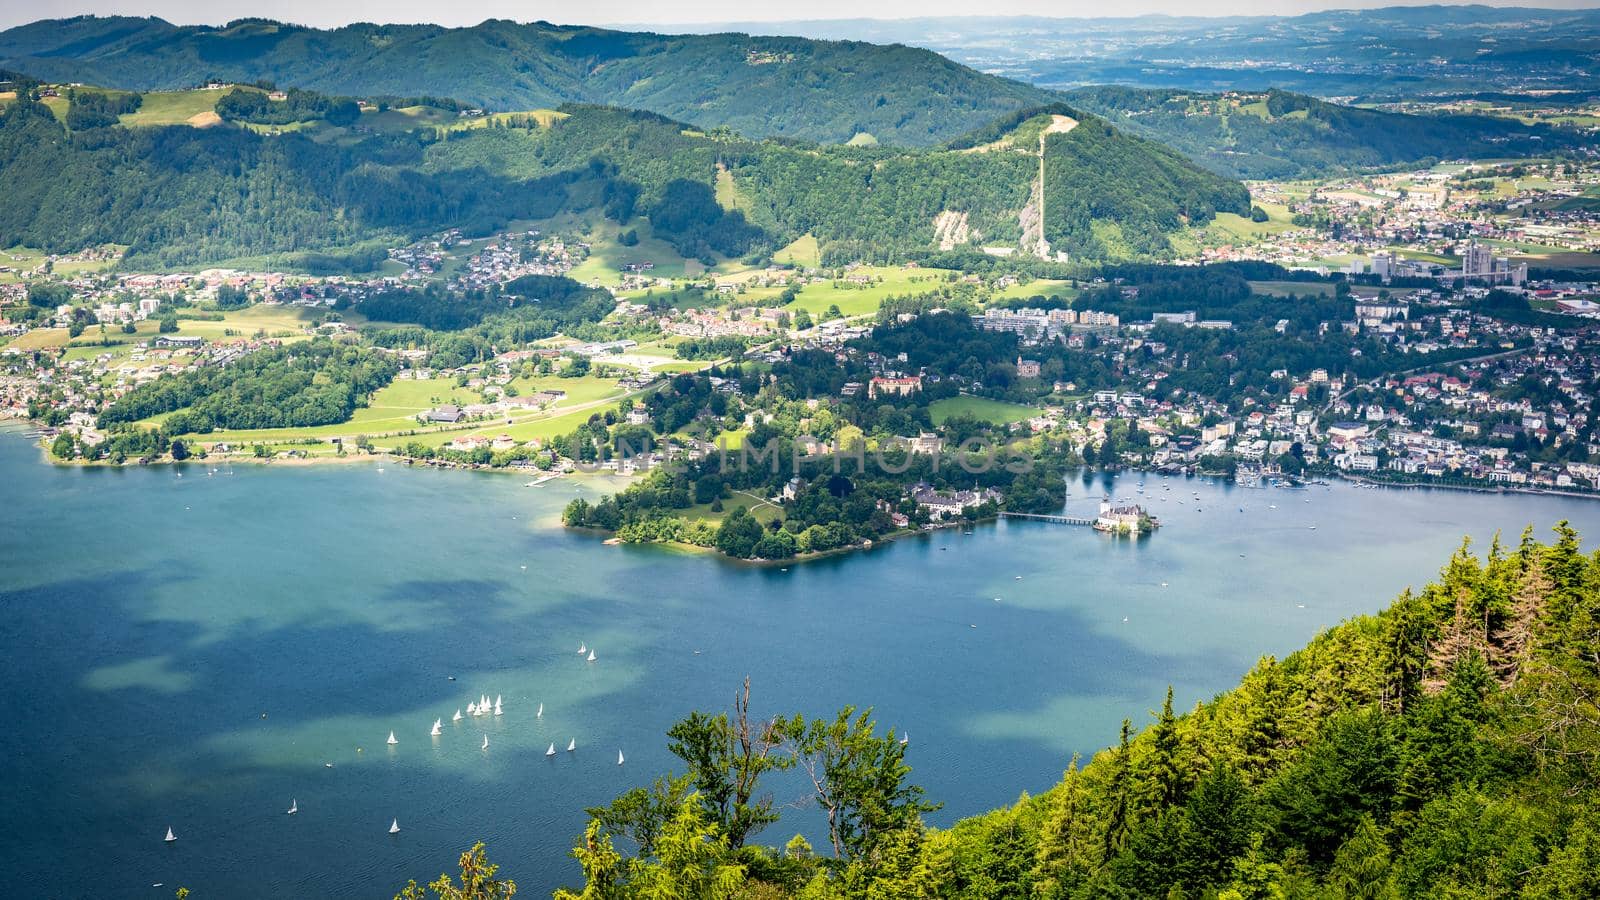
pixel 179 195
pixel 1090 177
pixel 766 86
pixel 1446 747
pixel 1302 137
pixel 314 383
pixel 98 109
pixel 297 106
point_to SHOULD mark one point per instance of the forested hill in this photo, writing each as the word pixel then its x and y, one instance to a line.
pixel 759 86
pixel 1446 747
pixel 1277 134
pixel 178 195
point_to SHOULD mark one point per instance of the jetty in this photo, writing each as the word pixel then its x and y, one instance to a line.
pixel 1046 517
pixel 1113 519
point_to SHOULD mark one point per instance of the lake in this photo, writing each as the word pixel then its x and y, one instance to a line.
pixel 193 651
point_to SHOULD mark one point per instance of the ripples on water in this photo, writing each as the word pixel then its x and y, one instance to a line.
pixel 150 622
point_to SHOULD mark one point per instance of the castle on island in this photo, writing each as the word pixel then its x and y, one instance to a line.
pixel 1130 520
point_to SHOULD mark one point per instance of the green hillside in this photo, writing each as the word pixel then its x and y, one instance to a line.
pixel 1276 134
pixel 327 194
pixel 1448 747
pixel 761 86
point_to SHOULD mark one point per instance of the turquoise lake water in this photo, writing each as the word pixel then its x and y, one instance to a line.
pixel 192 651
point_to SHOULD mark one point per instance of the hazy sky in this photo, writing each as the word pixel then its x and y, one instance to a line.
pixel 339 12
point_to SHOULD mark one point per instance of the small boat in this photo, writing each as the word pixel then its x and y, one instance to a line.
pixel 551 751
pixel 392 738
pixel 394 827
pixel 472 709
pixel 497 710
pixel 170 836
pixel 456 717
pixel 619 757
pixel 582 649
pixel 591 656
pixel 905 739
pixel 438 727
pixel 540 713
pixel 572 745
pixel 294 806
pixel 485 743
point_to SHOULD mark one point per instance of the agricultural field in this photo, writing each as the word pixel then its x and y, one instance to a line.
pixel 195 108
pixel 802 251
pixel 997 412
pixel 607 256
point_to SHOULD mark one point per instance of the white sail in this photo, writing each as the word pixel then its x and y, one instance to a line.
pixel 572 745
pixel 438 727
pixel 582 649
pixel 392 739
pixel 394 827
pixel 294 806
pixel 905 739
pixel 551 751
pixel 170 836
pixel 456 717
pixel 485 743
pixel 497 710
pixel 591 656
pixel 540 713
pixel 619 757
pixel 472 709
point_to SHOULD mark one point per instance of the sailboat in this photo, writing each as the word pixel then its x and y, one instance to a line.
pixel 438 727
pixel 170 836
pixel 497 710
pixel 472 709
pixel 540 713
pixel 394 827
pixel 552 750
pixel 905 739
pixel 591 656
pixel 485 743
pixel 392 738
pixel 294 806
pixel 619 757
pixel 582 649
pixel 483 705
pixel 456 717
pixel 572 745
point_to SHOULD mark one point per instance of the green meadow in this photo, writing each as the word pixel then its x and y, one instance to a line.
pixel 997 412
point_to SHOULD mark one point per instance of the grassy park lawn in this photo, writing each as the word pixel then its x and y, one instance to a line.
pixel 997 412
pixel 1291 288
pixel 861 300
pixel 1039 287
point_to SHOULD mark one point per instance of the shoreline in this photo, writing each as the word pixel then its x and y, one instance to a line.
pixel 349 458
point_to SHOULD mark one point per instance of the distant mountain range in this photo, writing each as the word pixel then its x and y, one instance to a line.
pixel 1277 134
pixel 759 86
pixel 1386 53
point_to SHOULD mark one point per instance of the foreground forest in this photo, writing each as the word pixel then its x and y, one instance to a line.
pixel 1446 747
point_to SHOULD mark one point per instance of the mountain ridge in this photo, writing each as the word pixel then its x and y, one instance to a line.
pixel 826 91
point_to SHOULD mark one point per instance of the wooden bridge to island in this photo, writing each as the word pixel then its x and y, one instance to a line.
pixel 1046 517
